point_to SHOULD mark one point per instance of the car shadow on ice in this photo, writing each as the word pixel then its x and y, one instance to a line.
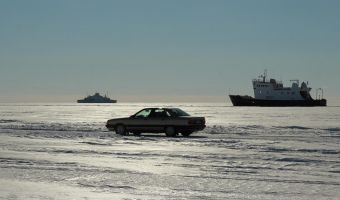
pixel 152 135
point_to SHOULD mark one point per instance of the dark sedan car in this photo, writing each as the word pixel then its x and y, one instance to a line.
pixel 170 121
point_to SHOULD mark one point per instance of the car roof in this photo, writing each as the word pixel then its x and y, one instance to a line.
pixel 160 108
pixel 151 108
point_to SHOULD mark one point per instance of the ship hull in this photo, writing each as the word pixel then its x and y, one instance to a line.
pixel 85 101
pixel 238 100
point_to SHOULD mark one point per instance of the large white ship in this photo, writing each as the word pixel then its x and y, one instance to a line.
pixel 273 93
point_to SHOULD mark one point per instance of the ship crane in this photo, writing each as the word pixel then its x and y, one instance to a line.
pixel 319 95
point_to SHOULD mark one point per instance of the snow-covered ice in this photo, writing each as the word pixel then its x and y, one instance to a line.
pixel 63 151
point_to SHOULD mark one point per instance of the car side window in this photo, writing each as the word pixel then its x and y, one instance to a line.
pixel 143 113
pixel 159 113
pixel 167 113
pixel 176 112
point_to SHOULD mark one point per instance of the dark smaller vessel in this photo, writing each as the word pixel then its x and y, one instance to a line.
pixel 96 98
pixel 273 93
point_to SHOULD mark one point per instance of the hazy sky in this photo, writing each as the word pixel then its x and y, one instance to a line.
pixel 164 50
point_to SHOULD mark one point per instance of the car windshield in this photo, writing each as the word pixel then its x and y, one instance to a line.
pixel 176 112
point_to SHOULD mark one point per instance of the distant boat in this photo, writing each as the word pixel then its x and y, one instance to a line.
pixel 96 98
pixel 272 93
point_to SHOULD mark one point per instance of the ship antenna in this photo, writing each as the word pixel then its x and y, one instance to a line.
pixel 264 75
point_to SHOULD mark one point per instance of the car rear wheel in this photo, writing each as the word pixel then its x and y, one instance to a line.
pixel 170 131
pixel 120 130
pixel 186 133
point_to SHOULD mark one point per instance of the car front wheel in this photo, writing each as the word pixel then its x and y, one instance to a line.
pixel 120 130
pixel 170 131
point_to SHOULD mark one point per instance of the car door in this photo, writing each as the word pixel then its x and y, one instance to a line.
pixel 139 121
pixel 157 120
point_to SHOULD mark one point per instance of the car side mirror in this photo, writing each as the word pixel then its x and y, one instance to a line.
pixel 132 116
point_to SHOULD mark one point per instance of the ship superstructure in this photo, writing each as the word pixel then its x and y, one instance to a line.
pixel 97 98
pixel 272 93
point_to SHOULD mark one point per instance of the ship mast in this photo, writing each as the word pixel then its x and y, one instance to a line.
pixel 264 76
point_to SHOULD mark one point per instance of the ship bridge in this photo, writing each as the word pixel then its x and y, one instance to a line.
pixel 274 90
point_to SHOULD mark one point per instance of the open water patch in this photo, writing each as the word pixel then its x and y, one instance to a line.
pixel 293 150
pixel 336 129
pixel 95 143
pixel 298 160
pixel 294 127
pixel 6 121
pixel 54 127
